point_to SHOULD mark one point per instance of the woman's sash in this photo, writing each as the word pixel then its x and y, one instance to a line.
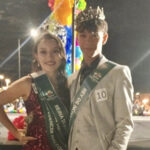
pixel 55 112
pixel 87 87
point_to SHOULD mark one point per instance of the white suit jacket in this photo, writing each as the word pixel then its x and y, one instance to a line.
pixel 104 122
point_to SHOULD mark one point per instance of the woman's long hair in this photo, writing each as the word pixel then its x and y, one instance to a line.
pixel 61 75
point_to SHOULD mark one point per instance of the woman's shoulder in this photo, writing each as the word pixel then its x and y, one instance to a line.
pixel 23 85
pixel 19 88
pixel 24 81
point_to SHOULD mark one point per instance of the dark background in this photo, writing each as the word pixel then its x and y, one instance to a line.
pixel 129 35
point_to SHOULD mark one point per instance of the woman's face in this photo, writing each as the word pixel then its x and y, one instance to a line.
pixel 48 55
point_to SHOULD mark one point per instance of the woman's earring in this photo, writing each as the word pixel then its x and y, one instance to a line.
pixel 38 65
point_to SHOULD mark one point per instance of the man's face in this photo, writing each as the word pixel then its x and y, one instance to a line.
pixel 90 43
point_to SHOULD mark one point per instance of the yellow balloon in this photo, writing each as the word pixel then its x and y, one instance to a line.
pixel 77 67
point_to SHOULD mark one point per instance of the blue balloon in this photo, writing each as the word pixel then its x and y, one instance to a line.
pixel 78 52
pixel 68 69
pixel 68 46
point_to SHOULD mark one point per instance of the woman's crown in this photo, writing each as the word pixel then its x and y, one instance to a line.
pixel 89 14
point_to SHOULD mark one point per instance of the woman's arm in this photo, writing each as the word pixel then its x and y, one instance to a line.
pixel 20 88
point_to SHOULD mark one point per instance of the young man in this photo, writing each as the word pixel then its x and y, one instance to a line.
pixel 101 91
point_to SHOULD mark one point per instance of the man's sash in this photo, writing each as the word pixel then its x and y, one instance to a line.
pixel 55 113
pixel 86 88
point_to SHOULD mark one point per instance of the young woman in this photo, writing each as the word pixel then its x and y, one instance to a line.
pixel 46 96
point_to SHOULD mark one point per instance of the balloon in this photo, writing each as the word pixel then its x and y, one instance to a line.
pixel 81 5
pixel 81 58
pixel 77 42
pixel 68 69
pixel 78 52
pixel 63 11
pixel 51 4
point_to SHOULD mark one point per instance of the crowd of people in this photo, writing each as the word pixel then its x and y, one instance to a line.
pixel 91 109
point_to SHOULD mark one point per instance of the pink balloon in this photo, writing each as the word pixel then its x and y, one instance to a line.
pixel 77 42
pixel 51 4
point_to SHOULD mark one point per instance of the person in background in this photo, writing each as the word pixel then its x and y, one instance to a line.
pixel 101 91
pixel 46 97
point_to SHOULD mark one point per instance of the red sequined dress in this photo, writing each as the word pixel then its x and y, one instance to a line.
pixel 36 127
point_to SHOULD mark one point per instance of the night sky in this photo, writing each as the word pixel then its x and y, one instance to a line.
pixel 128 43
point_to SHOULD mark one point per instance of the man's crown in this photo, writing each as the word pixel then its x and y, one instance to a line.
pixel 89 14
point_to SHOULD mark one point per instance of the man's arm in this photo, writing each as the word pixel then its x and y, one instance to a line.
pixel 123 97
